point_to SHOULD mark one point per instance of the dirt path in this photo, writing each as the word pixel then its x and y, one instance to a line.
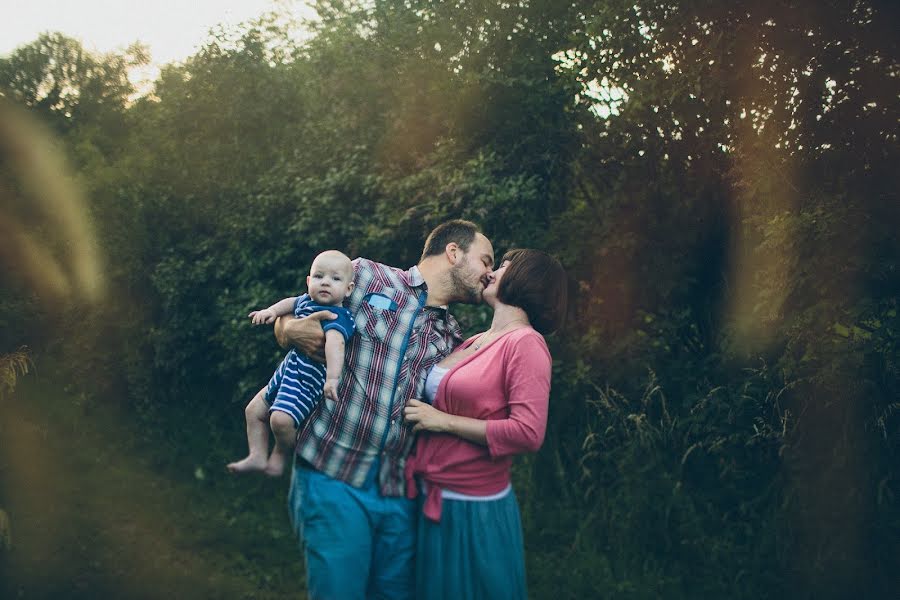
pixel 89 520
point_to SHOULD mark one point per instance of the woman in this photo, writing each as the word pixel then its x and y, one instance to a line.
pixel 488 402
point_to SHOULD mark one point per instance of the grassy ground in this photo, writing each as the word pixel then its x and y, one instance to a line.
pixel 98 509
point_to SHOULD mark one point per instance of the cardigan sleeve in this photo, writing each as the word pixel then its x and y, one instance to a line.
pixel 527 388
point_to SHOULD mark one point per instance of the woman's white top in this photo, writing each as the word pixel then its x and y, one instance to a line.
pixel 435 375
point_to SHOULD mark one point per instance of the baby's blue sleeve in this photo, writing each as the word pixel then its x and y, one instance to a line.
pixel 343 323
pixel 301 303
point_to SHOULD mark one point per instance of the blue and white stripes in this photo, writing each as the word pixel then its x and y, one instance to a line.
pixel 297 384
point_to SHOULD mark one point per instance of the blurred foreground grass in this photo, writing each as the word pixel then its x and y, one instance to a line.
pixel 100 508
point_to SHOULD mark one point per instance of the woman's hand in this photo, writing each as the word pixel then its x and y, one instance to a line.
pixel 425 417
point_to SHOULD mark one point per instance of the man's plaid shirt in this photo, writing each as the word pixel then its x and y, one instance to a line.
pixel 397 340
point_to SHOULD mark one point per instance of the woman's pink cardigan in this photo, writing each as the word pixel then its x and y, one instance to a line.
pixel 508 384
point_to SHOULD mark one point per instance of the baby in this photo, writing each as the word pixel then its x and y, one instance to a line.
pixel 299 380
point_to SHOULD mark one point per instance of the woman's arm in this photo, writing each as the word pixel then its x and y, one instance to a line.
pixel 527 386
pixel 428 418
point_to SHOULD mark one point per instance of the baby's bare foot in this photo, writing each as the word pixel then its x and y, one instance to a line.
pixel 251 464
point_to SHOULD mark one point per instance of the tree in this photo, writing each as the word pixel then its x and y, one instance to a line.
pixel 69 86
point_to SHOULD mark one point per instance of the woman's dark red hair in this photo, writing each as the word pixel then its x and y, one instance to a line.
pixel 535 282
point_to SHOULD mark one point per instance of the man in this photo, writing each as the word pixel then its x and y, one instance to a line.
pixel 346 499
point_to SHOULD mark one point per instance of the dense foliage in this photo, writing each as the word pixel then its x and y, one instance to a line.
pixel 719 179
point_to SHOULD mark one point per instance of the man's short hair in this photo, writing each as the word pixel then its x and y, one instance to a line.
pixel 459 231
pixel 535 282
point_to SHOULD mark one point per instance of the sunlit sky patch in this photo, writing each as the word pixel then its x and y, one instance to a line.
pixel 173 29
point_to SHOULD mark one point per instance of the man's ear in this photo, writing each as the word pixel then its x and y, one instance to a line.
pixel 453 252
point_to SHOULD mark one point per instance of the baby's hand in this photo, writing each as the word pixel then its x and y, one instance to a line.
pixel 330 389
pixel 266 315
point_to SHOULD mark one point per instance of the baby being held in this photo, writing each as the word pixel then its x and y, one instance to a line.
pixel 299 381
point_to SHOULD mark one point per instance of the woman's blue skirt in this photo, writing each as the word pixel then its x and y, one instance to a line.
pixel 475 552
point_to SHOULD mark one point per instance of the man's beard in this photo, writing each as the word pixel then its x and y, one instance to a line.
pixel 464 291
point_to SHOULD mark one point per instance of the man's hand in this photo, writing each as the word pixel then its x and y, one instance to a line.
pixel 330 389
pixel 304 334
pixel 259 317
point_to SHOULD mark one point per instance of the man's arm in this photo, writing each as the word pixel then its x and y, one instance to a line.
pixel 304 334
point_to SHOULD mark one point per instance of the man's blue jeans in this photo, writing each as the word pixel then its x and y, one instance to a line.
pixel 356 543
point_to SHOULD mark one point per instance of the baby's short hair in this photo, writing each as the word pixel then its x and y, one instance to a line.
pixel 338 257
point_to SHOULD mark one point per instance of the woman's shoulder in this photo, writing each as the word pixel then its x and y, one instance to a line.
pixel 526 355
pixel 527 339
pixel 527 332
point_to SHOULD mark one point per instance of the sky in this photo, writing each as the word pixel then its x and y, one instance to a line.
pixel 173 29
